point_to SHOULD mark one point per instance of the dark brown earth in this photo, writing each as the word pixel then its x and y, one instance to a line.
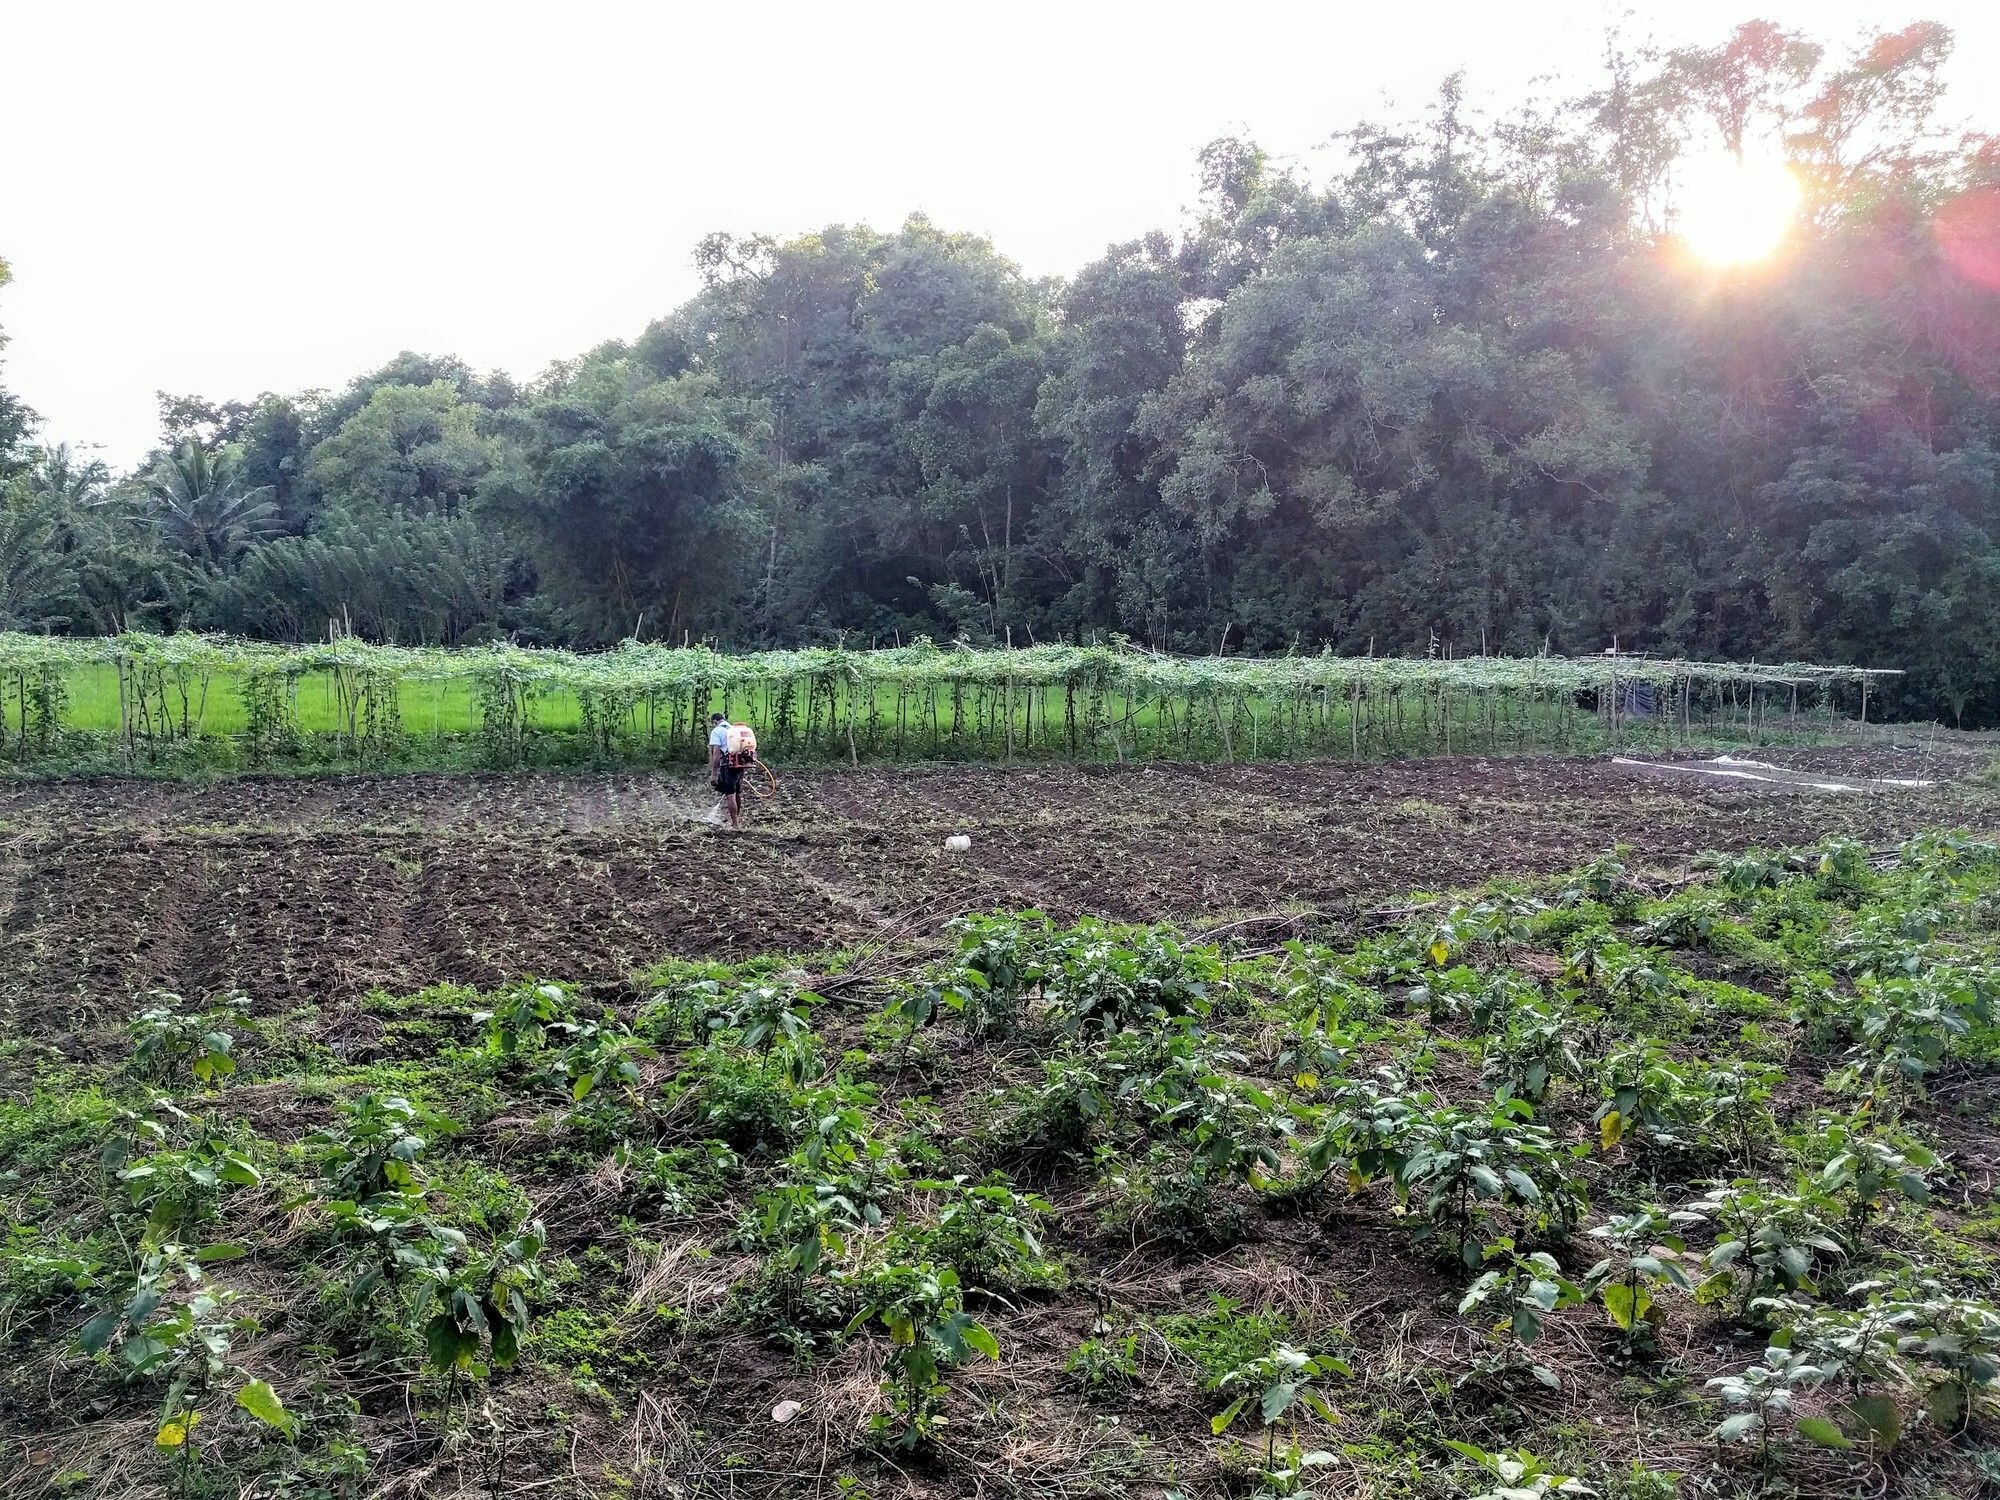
pixel 314 891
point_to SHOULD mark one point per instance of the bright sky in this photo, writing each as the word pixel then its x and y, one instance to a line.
pixel 222 199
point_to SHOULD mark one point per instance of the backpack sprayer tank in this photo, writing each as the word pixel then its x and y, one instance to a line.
pixel 741 746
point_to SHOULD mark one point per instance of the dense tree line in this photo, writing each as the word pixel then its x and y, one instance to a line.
pixel 1465 392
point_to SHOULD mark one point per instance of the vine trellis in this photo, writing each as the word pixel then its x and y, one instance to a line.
pixel 648 704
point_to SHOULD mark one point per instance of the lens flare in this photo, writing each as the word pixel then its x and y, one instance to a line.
pixel 1734 212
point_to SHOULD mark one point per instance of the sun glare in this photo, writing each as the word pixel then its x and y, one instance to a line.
pixel 1733 212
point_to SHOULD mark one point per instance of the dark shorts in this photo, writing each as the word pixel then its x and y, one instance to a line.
pixel 728 780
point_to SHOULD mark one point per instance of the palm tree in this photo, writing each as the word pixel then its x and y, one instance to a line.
pixel 35 574
pixel 204 510
pixel 59 478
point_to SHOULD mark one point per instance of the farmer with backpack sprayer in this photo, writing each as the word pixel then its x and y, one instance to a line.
pixel 732 749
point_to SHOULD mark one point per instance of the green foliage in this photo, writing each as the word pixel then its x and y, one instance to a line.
pixel 1466 1168
pixel 373 1150
pixel 1105 1361
pixel 1523 1290
pixel 1521 1475
pixel 482 1304
pixel 1226 1336
pixel 597 1055
pixel 164 1037
pixel 521 1016
pixel 986 1233
pixel 1763 1393
pixel 1766 1241
pixel 1536 1048
pixel 717 1175
pixel 176 1328
pixel 1057 1120
pixel 1869 1172
pixel 768 1015
pixel 1274 1385
pixel 923 1309
pixel 1282 424
pixel 1643 1258
pixel 174 1167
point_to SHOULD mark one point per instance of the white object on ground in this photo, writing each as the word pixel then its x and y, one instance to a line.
pixel 784 1411
pixel 1729 765
pixel 959 843
pixel 1780 780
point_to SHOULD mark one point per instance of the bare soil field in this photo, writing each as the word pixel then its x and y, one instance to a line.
pixel 317 891
pixel 658 1359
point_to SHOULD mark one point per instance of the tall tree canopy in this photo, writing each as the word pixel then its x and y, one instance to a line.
pixel 16 420
pixel 1467 390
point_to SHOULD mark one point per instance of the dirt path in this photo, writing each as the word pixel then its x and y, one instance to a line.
pixel 313 892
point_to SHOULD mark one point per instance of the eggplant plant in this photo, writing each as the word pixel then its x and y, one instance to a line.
pixel 1905 1029
pixel 1863 1348
pixel 765 1016
pixel 1766 1241
pixel 987 1233
pixel 370 1166
pixel 1278 1383
pixel 173 1166
pixel 1537 1047
pixel 165 1037
pixel 1523 1290
pixel 1467 1167
pixel 481 1304
pixel 174 1326
pixel 1738 1096
pixel 923 1309
pixel 521 1017
pixel 1870 1173
pixel 1649 1099
pixel 1765 1392
pixel 373 1149
pixel 1959 1337
pixel 1370 1131
pixel 1520 1474
pixel 598 1056
pixel 1643 1257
